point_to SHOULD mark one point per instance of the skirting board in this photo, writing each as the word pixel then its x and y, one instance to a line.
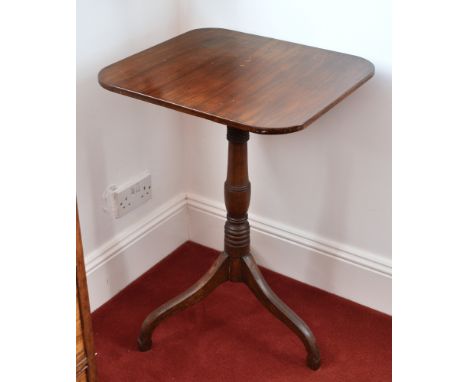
pixel 348 272
pixel 345 271
pixel 117 263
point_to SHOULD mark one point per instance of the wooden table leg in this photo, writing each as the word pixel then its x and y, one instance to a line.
pixel 215 276
pixel 237 244
pixel 236 262
pixel 257 284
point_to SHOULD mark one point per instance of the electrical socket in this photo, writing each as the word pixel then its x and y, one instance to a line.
pixel 120 200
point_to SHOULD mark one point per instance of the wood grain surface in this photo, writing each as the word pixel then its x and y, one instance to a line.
pixel 249 82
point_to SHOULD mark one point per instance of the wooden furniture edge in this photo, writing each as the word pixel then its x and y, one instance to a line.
pixel 83 297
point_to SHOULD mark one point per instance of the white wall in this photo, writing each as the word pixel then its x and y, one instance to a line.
pixel 321 198
pixel 118 137
pixel 334 178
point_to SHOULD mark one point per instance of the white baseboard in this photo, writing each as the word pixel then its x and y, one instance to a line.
pixel 349 272
pixel 117 263
pixel 354 274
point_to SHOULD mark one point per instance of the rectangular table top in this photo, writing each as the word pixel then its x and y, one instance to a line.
pixel 253 83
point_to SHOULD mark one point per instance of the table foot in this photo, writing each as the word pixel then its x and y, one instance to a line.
pixel 217 274
pixel 313 360
pixel 257 284
pixel 144 344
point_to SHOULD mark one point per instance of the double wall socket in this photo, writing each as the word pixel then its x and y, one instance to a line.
pixel 122 199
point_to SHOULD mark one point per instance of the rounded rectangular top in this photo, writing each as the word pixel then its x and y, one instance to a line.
pixel 253 83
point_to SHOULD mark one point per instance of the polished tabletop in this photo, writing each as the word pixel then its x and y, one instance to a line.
pixel 249 82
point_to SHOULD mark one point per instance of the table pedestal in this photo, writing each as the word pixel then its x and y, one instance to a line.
pixel 236 262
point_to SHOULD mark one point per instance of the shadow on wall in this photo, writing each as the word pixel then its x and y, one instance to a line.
pixel 334 178
pixel 93 162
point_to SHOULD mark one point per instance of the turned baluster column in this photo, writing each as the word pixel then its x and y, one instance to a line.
pixel 237 199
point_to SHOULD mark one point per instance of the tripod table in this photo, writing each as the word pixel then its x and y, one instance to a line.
pixel 251 84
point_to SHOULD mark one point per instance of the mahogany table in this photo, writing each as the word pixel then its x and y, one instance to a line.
pixel 251 84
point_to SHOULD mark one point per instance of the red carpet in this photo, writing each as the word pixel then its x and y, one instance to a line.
pixel 230 336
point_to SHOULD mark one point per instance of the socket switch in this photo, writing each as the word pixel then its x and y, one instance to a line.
pixel 122 199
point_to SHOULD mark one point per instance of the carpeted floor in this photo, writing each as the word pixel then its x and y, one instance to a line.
pixel 230 336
